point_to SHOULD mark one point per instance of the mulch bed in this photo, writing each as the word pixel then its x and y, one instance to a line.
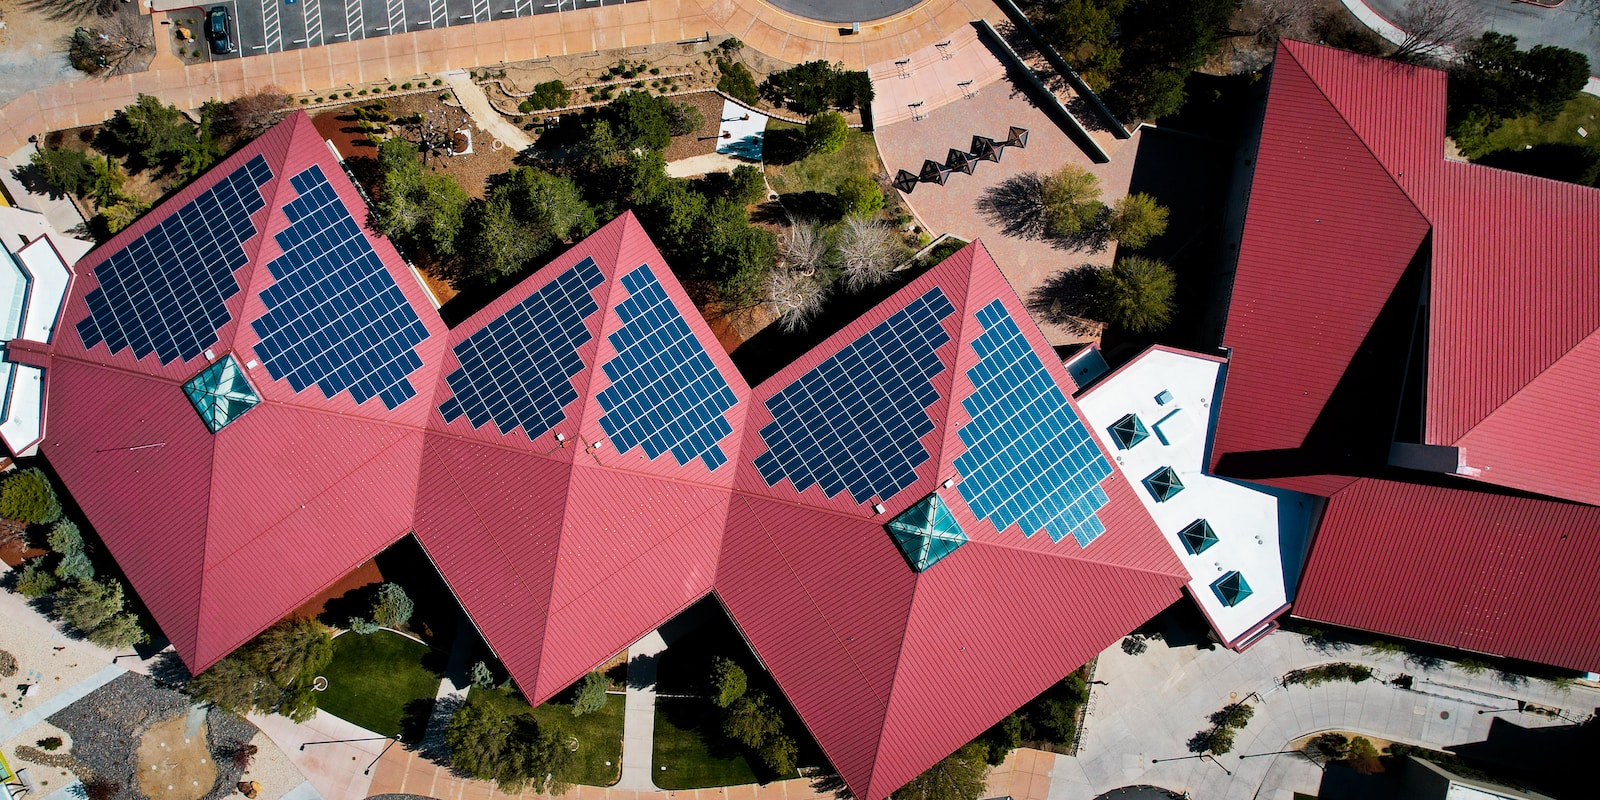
pixel 704 140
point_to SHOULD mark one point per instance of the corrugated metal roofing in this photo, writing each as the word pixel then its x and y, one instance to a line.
pixel 1499 574
pixel 565 551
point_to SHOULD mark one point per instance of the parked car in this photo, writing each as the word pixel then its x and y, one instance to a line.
pixel 217 30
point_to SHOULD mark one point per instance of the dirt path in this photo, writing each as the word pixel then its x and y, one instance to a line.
pixel 174 763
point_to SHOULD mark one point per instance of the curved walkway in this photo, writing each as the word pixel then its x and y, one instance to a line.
pixel 1152 703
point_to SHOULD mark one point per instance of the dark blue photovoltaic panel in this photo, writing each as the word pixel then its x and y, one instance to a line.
pixel 166 292
pixel 666 393
pixel 1030 460
pixel 335 317
pixel 517 370
pixel 857 420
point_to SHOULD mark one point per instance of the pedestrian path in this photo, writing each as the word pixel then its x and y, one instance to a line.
pixel 639 716
pixel 488 120
pixel 76 692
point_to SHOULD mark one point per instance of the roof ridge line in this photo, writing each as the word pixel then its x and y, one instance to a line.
pixel 1528 384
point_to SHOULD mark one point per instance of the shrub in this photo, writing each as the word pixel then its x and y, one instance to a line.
pixel 65 538
pixel 728 680
pixel 482 677
pixel 393 87
pixel 1315 676
pixel 363 626
pixel 437 81
pixel 406 85
pixel 591 694
pixel 50 744
pixel 392 608
pixel 737 82
pixel 75 567
pixel 826 132
pixel 35 582
pixel 859 195
pixel 1135 293
pixel 28 496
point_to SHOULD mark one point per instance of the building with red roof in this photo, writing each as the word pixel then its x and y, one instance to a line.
pixel 1413 338
pixel 250 394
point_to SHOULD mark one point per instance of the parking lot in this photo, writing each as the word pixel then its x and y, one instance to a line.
pixel 270 26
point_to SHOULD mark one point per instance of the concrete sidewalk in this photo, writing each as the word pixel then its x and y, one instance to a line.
pixel 639 717
pixel 488 120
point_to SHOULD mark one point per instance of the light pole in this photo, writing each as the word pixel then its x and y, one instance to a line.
pixel 343 741
pixel 368 770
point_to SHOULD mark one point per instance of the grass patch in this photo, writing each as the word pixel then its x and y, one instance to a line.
pixel 1581 111
pixel 374 680
pixel 695 754
pixel 599 737
pixel 790 173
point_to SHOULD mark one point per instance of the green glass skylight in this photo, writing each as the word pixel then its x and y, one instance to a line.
pixel 1163 484
pixel 221 393
pixel 1129 431
pixel 1197 537
pixel 1231 589
pixel 926 533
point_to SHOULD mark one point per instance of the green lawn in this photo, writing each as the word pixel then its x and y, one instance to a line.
pixel 1582 111
pixel 816 173
pixel 599 737
pixel 695 756
pixel 378 681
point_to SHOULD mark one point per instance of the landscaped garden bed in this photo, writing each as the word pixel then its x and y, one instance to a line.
pixel 380 681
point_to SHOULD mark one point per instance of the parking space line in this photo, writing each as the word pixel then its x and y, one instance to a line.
pixel 397 16
pixel 312 11
pixel 480 10
pixel 354 24
pixel 438 13
pixel 271 27
pixel 524 8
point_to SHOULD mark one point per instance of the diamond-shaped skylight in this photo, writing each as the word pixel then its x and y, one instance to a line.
pixel 1129 431
pixel 1197 537
pixel 221 393
pixel 1231 588
pixel 1163 484
pixel 926 533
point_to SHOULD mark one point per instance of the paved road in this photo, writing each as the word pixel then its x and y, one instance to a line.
pixel 844 11
pixel 273 26
pixel 1565 26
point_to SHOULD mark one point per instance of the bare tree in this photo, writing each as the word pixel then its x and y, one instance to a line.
pixel 796 297
pixel 251 115
pixel 803 249
pixel 122 43
pixel 1267 21
pixel 868 251
pixel 1436 29
pixel 73 9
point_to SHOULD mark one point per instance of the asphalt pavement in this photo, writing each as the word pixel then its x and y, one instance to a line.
pixel 1564 26
pixel 273 26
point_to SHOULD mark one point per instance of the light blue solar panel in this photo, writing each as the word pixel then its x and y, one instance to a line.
pixel 1030 461
pixel 517 370
pixel 166 292
pixel 666 393
pixel 335 316
pixel 856 421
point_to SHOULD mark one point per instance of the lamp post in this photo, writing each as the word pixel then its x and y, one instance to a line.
pixel 1520 706
pixel 1218 763
pixel 368 770
pixel 343 741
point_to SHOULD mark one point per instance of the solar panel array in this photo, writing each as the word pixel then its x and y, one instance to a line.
pixel 166 292
pixel 517 369
pixel 666 393
pixel 335 316
pixel 1030 461
pixel 856 420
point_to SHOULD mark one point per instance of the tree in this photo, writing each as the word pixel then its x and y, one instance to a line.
pixel 550 94
pixel 591 695
pixel 114 46
pixel 737 82
pixel 521 219
pixel 1152 94
pixel 291 652
pixel 1072 201
pixel 122 214
pixel 826 132
pixel 233 684
pixel 779 754
pixel 1363 756
pixel 35 581
pixel 105 183
pixel 28 496
pixel 959 776
pixel 392 608
pixel 1434 29
pixel 155 133
pixel 75 566
pixel 1084 33
pixel 1002 738
pixel 482 678
pixel 120 631
pixel 68 170
pixel 1135 293
pixel 490 743
pixel 869 252
pixel 1495 81
pixel 796 298
pixel 199 153
pixel 859 195
pixel 65 538
pixel 682 118
pixel 298 703
pixel 728 680
pixel 744 185
pixel 247 116
pixel 736 256
pixel 87 605
pixel 1137 218
pixel 639 121
pixel 420 210
pixel 1162 41
pixel 802 249
pixel 751 720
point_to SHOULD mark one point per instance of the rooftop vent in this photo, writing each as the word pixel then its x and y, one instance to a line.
pixel 1163 398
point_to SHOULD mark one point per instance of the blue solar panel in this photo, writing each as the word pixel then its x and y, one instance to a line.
pixel 335 317
pixel 166 292
pixel 857 420
pixel 517 370
pixel 1030 461
pixel 666 393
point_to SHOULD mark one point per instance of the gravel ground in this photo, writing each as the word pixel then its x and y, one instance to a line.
pixel 106 725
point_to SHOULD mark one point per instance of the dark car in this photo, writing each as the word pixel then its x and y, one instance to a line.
pixel 217 30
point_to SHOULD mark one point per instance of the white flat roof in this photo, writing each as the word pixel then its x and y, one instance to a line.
pixel 24 409
pixel 1254 525
pixel 50 280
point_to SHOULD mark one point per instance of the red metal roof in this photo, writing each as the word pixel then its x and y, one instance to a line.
pixel 564 554
pixel 1512 299
pixel 1499 574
